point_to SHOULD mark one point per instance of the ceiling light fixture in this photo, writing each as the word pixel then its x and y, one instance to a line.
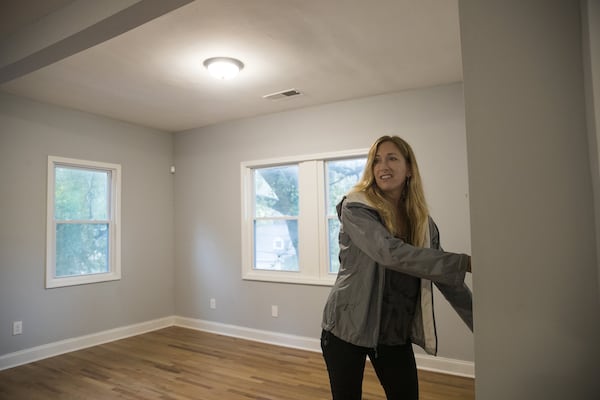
pixel 223 67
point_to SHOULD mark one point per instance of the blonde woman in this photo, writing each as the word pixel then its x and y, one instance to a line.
pixel 382 300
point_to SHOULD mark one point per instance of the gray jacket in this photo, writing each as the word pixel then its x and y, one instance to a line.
pixel 367 248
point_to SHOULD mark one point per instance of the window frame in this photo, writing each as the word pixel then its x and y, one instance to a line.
pixel 313 247
pixel 114 224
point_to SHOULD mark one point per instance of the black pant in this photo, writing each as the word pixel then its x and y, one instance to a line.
pixel 395 367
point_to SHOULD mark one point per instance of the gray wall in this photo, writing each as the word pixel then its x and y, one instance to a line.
pixel 591 65
pixel 31 131
pixel 206 243
pixel 208 202
pixel 537 315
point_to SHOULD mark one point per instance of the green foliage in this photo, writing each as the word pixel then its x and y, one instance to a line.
pixel 81 194
pixel 81 249
pixel 280 196
pixel 81 210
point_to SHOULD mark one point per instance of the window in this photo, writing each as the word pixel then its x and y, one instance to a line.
pixel 342 175
pixel 276 218
pixel 289 221
pixel 83 227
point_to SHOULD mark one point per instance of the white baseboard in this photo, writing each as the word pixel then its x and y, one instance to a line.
pixel 275 338
pixel 424 361
pixel 68 345
pixel 445 365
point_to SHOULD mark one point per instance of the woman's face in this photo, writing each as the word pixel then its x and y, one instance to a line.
pixel 390 170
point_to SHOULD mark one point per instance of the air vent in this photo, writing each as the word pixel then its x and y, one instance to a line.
pixel 284 94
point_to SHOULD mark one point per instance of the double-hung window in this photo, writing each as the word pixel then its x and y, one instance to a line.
pixel 289 221
pixel 83 222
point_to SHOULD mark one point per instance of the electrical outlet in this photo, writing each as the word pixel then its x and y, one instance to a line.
pixel 17 328
pixel 213 303
pixel 274 311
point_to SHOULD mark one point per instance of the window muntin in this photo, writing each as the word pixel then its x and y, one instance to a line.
pixel 83 229
pixel 290 226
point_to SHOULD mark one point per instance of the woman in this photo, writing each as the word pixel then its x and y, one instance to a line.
pixel 382 300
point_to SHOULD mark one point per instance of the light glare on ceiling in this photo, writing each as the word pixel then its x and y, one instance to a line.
pixel 223 67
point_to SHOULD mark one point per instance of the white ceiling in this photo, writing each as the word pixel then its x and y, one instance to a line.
pixel 69 54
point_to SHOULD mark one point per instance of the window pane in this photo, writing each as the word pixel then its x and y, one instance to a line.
pixel 334 245
pixel 276 244
pixel 81 194
pixel 341 176
pixel 276 191
pixel 81 249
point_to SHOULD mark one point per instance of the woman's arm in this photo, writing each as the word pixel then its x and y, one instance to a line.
pixel 364 229
pixel 461 299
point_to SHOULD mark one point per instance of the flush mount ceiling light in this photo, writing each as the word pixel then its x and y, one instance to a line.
pixel 223 67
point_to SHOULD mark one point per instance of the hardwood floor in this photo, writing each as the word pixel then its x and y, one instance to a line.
pixel 181 364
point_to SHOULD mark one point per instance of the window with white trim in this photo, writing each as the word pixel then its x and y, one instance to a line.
pixel 83 227
pixel 289 222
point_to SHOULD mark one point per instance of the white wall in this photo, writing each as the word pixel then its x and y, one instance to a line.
pixel 29 132
pixel 537 315
pixel 208 203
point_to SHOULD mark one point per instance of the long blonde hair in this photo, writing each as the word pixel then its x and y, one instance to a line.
pixel 413 194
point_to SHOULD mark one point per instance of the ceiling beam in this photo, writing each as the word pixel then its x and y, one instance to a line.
pixel 78 26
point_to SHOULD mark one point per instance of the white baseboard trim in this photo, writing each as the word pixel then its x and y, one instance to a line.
pixel 444 365
pixel 275 338
pixel 68 345
pixel 424 361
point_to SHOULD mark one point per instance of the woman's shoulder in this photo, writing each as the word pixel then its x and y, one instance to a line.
pixel 358 197
pixel 354 200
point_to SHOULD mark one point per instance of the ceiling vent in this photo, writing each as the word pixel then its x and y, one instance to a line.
pixel 284 94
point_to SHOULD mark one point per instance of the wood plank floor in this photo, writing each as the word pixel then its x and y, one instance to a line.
pixel 182 364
